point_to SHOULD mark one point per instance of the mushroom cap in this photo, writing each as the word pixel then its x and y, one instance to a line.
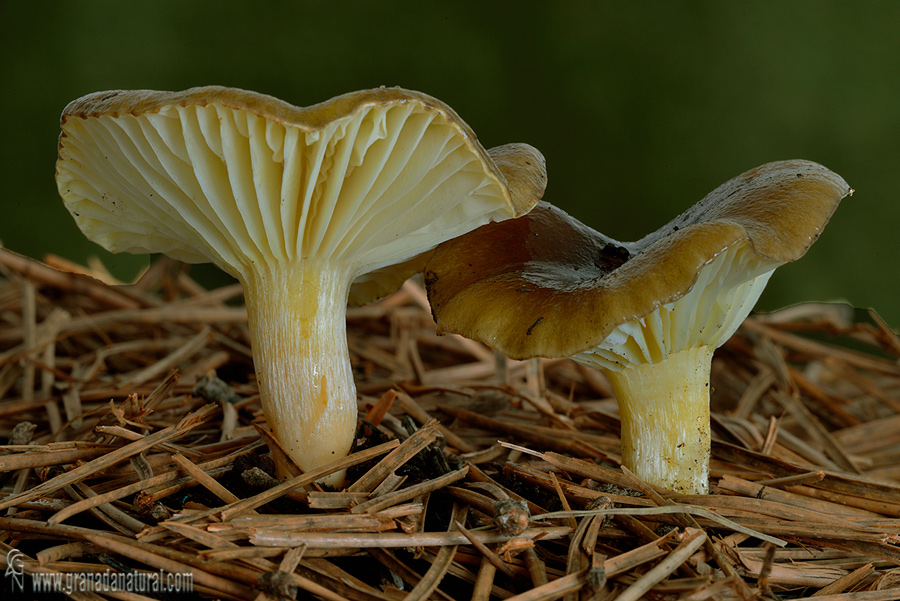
pixel 371 178
pixel 547 285
pixel 515 162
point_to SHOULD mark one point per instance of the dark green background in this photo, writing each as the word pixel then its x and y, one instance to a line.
pixel 641 108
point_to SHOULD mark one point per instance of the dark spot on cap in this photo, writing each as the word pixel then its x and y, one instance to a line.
pixel 611 257
pixel 531 327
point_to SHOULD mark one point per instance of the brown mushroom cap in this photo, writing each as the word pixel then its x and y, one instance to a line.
pixel 547 285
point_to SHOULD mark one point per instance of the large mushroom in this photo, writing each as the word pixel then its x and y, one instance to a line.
pixel 648 313
pixel 296 203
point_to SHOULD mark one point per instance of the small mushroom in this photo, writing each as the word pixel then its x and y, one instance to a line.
pixel 648 313
pixel 296 203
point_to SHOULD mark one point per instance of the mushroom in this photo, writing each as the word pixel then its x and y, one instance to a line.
pixel 648 313
pixel 296 203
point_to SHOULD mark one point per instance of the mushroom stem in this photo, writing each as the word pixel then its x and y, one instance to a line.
pixel 297 317
pixel 664 408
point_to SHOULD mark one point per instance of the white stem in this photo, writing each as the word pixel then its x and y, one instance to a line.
pixel 664 408
pixel 298 331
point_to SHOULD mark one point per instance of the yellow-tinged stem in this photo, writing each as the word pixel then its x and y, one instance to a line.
pixel 298 331
pixel 665 420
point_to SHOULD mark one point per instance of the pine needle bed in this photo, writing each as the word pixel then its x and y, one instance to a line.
pixel 135 443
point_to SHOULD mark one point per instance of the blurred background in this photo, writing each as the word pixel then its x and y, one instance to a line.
pixel 640 108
